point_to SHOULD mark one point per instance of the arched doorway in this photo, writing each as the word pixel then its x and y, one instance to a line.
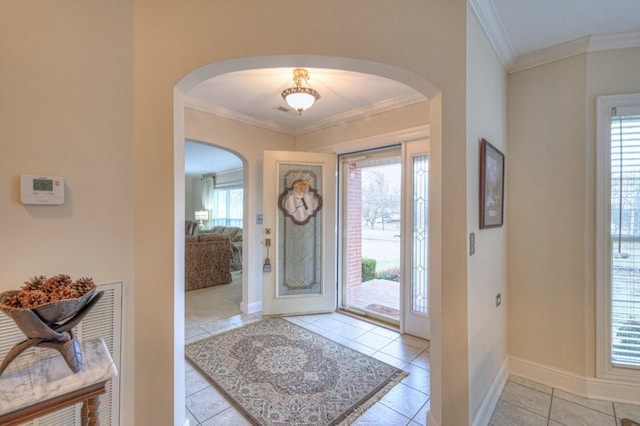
pixel 253 174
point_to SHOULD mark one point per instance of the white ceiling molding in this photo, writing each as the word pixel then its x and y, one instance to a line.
pixel 551 54
pixel 368 110
pixel 614 41
pixel 376 108
pixel 486 13
pixel 575 47
pixel 204 106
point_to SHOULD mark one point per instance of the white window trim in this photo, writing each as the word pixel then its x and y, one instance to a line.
pixel 604 368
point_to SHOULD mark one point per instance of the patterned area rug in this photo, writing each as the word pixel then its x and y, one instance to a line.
pixel 278 373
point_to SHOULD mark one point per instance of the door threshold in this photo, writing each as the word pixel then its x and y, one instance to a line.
pixel 369 318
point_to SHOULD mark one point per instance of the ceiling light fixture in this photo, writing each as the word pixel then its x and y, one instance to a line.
pixel 300 98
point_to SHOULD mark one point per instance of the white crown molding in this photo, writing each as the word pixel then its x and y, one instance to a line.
pixel 486 13
pixel 575 47
pixel 355 114
pixel 614 41
pixel 204 106
pixel 551 54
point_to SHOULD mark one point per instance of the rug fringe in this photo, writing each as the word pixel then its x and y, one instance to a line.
pixel 377 396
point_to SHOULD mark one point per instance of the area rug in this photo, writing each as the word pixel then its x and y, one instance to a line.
pixel 280 374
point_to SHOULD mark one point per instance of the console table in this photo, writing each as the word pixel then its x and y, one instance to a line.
pixel 38 384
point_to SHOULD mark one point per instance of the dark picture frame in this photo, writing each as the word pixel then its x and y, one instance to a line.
pixel 491 186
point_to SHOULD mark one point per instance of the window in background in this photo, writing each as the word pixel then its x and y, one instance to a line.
pixel 618 239
pixel 227 207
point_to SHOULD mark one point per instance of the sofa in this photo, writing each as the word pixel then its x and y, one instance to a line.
pixel 207 260
pixel 235 237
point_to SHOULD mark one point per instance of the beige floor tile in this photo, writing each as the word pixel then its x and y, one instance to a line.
pixel 229 417
pixel 530 383
pixel 401 350
pixel 421 417
pixel 507 414
pixel 418 378
pixel 629 411
pixel 381 415
pixel 528 398
pixel 372 340
pixel 405 400
pixel 423 360
pixel 206 404
pixel 605 407
pixel 571 414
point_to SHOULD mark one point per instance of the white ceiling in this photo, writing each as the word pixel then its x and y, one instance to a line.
pixel 518 29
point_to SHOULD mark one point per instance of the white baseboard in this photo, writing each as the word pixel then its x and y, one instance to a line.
pixel 250 308
pixel 483 416
pixel 588 387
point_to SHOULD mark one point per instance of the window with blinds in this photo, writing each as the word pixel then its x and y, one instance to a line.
pixel 624 183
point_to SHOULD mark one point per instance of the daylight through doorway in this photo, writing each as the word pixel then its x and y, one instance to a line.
pixel 371 196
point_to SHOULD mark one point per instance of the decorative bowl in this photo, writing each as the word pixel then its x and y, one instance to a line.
pixel 52 312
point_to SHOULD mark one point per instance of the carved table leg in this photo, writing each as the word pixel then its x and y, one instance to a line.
pixel 91 412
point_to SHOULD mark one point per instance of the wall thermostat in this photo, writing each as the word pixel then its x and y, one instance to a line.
pixel 41 189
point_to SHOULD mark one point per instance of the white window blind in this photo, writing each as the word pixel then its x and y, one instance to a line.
pixel 625 237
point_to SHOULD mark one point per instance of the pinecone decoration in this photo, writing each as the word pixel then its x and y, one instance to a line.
pixel 83 285
pixel 40 290
pixel 33 298
pixel 51 284
pixel 34 283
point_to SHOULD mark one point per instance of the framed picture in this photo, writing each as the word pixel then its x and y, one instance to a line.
pixel 491 186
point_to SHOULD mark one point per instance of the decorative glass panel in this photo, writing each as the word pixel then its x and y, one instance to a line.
pixel 299 260
pixel 420 226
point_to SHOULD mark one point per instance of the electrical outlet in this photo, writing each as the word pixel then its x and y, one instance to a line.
pixel 498 299
pixel 267 242
pixel 259 219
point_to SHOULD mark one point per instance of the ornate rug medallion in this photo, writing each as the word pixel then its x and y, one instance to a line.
pixel 278 373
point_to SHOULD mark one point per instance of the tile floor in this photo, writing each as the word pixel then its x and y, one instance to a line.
pixel 522 402
pixel 406 404
pixel 527 403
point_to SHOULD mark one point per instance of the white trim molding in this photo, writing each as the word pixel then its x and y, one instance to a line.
pixel 488 17
pixel 250 308
pixel 588 387
pixel 573 48
pixel 513 62
pixel 490 400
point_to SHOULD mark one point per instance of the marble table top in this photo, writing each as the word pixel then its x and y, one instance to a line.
pixel 30 379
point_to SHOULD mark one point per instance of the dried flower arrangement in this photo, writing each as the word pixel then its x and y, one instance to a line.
pixel 41 290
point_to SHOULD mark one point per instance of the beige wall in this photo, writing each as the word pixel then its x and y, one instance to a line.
pixel 248 142
pixel 69 107
pixel 172 39
pixel 487 268
pixel 551 192
pixel 66 91
pixel 546 219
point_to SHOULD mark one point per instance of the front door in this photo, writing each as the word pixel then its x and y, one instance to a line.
pixel 384 233
pixel 299 228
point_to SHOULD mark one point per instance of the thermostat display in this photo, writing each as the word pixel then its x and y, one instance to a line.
pixel 41 189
